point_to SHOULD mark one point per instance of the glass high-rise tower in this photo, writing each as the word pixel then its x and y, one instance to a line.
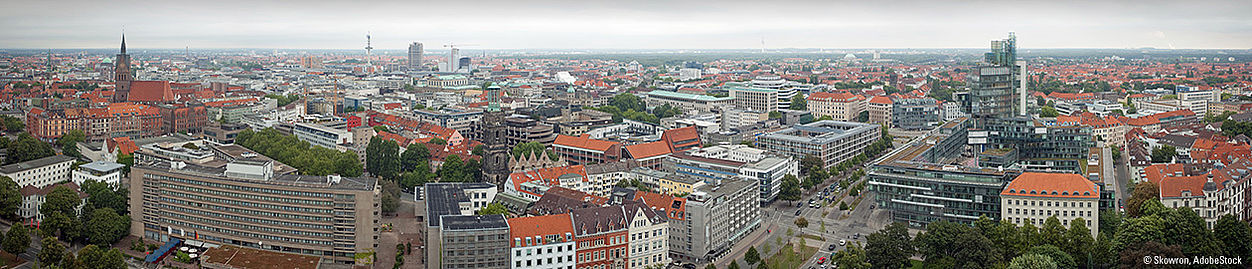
pixel 996 83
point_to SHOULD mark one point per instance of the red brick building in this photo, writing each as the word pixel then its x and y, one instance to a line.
pixel 600 234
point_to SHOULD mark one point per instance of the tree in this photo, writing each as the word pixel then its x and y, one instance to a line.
pixel 479 150
pixel 890 247
pixel 493 209
pixel 1062 259
pixel 69 142
pixel 389 203
pixel 1187 229
pixel 413 155
pixel 852 257
pixel 1032 261
pixel 438 141
pixel 802 222
pixel 453 170
pixel 733 265
pixel 752 256
pixel 127 160
pixel 790 188
pixel 775 115
pixel 863 117
pixel 1138 231
pixel 10 197
pixel 798 102
pixel 27 148
pixel 948 244
pixel 1234 235
pixel 1052 233
pixel 1048 112
pixel 1078 238
pixel 1144 191
pixel 51 252
pixel 1164 154
pixel 810 161
pixel 710 266
pixel 627 101
pixel 1133 255
pixel 98 257
pixel 16 240
pixel 106 227
pixel 102 195
pixel 62 199
pixel 13 124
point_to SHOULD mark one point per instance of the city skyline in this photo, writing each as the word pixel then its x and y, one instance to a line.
pixel 646 25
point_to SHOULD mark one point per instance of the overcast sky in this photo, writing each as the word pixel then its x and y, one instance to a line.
pixel 626 24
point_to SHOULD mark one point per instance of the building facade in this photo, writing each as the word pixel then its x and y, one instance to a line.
pixel 832 141
pixel 839 106
pixel 1032 198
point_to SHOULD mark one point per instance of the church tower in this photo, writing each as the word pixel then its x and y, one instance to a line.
pixel 122 75
pixel 495 162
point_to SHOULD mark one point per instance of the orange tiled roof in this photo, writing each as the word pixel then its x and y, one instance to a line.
pixel 150 91
pixel 648 150
pixel 1054 185
pixel 835 97
pixel 583 142
pixel 880 100
pixel 539 226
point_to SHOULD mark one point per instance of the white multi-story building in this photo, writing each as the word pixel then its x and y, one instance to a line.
pixel 776 83
pixel 839 106
pixel 321 135
pixel 33 198
pixel 39 172
pixel 689 73
pixel 686 101
pixel 1034 197
pixel 542 242
pixel 649 238
pixel 1219 192
pixel 759 99
pixel 107 172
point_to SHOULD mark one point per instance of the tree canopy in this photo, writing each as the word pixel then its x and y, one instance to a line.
pixel 309 159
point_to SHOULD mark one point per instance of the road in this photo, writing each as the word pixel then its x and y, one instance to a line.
pixel 1121 182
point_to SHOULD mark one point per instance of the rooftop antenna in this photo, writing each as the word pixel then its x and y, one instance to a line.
pixel 762 44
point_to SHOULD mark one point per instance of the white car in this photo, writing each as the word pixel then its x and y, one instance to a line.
pixel 843 242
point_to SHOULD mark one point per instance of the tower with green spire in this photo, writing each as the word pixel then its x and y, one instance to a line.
pixel 495 163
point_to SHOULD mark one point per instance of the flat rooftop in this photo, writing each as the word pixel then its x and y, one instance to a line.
pixel 306 181
pixel 443 199
pixel 240 257
pixel 36 163
pixel 474 222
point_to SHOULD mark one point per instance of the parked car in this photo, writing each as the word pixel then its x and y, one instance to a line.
pixel 798 212
pixel 831 247
pixel 843 242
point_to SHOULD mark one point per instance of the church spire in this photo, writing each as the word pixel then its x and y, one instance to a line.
pixel 123 43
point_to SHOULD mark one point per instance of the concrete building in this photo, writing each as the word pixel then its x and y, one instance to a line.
pixel 687 102
pixel 39 172
pixel 458 202
pixel 717 216
pixel 775 83
pixel 1034 197
pixel 919 113
pixel 584 150
pixel 542 242
pixel 107 172
pixel 522 129
pixel 880 110
pixel 463 121
pixel 832 141
pixel 321 135
pixel 732 162
pixel 415 56
pixel 689 73
pixel 250 201
pixel 758 99
pixel 839 106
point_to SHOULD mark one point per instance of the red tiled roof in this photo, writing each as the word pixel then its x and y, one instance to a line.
pixel 583 142
pixel 880 100
pixel 1055 185
pixel 834 97
pixel 150 91
pixel 539 226
pixel 648 150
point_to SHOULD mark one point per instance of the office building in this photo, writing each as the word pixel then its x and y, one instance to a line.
pixel 832 141
pixel 923 181
pixel 521 129
pixel 880 110
pixel 107 172
pixel 322 135
pixel 1032 198
pixel 457 203
pixel 34 197
pixel 1039 146
pixel 759 99
pixel 687 102
pixel 415 57
pixel 689 73
pixel 462 120
pixel 247 200
pixel 584 150
pixel 39 172
pixel 840 106
pixel 717 216
pixel 914 113
pixel 775 83
pixel 995 85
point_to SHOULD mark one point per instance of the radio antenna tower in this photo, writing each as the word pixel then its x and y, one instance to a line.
pixel 368 48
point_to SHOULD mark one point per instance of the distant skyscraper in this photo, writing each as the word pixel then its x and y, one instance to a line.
pixel 415 56
pixel 122 75
pixel 453 57
pixel 463 62
pixel 994 83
